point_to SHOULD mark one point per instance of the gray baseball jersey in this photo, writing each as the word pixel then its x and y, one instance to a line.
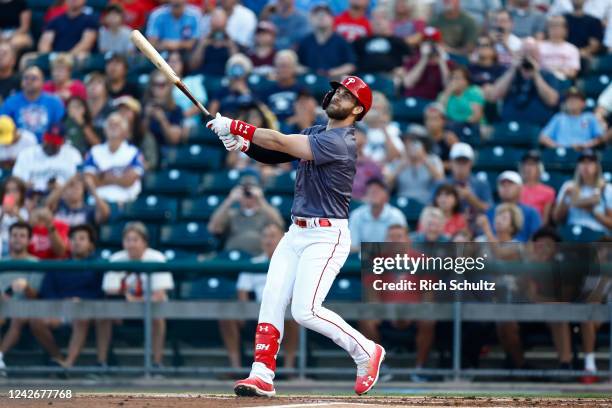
pixel 324 185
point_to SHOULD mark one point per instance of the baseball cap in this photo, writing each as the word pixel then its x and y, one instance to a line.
pixel 432 34
pixel 588 154
pixel 461 151
pixel 512 176
pixel 266 26
pixel 531 155
pixel 321 7
pixel 415 131
pixel 55 135
pixel 573 91
pixel 128 101
pixel 7 130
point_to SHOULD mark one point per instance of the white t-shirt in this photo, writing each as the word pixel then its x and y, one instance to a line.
pixel 554 57
pixel 605 99
pixel 241 25
pixel 34 166
pixel 579 216
pixel 252 281
pixel 112 280
pixel 11 151
pixel 375 147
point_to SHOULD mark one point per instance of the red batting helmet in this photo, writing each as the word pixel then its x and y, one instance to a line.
pixel 357 87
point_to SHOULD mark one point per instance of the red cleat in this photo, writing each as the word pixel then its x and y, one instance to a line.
pixel 368 375
pixel 253 387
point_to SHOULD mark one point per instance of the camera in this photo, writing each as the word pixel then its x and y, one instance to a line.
pixel 247 191
pixel 527 65
pixel 218 35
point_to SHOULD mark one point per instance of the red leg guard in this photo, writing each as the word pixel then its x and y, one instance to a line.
pixel 267 342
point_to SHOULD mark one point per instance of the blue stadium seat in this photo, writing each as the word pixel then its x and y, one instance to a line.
pixel 180 255
pixel 555 179
pixel 560 159
pixel 201 208
pixel 152 208
pixel 514 134
pixel 345 290
pixel 380 83
pixel 187 235
pixel 214 288
pixel 411 208
pixel 259 83
pixel 498 158
pixel 317 85
pixel 214 84
pixel 606 158
pixel 39 4
pixel 409 109
pixel 97 5
pixel 467 133
pixel 94 62
pixel 354 204
pixel 577 233
pixel 594 85
pixel 233 255
pixel 283 204
pixel 43 62
pixel 601 64
pixel 281 184
pixel 489 177
pixel 173 181
pixel 200 134
pixel 196 157
pixel 111 235
pixel 220 182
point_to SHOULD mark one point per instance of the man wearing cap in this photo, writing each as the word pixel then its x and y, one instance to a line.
pixel 174 26
pixel 13 141
pixel 53 161
pixel 535 193
pixel 509 185
pixel 31 108
pixel 310 255
pixel 74 31
pixel 116 70
pixel 573 128
pixel 292 24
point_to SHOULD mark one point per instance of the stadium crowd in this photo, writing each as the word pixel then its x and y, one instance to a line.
pixel 490 122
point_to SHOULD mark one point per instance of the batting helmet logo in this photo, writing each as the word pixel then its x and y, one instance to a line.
pixel 357 87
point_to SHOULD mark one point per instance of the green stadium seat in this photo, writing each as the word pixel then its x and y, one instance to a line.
pixel 467 133
pixel 283 204
pixel 560 159
pixel 233 255
pixel 515 134
pixel 43 62
pixel 172 181
pixel 97 5
pixel 281 184
pixel 214 84
pixel 380 83
pixel 220 182
pixel 259 83
pixel 195 157
pixel 411 208
pixel 594 85
pixel 606 158
pixel 601 64
pixel 409 109
pixel 200 134
pixel 489 177
pixel 317 85
pixel 345 290
pixel 555 179
pixel 214 288
pixel 354 204
pixel 111 235
pixel 151 208
pixel 94 62
pixel 577 233
pixel 180 255
pixel 498 158
pixel 187 235
pixel 201 208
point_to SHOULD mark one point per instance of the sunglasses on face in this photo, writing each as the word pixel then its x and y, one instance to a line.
pixel 30 78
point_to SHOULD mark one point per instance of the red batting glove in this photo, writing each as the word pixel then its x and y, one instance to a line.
pixel 240 128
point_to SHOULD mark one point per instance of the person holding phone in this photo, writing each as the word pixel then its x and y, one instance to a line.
pixel 12 196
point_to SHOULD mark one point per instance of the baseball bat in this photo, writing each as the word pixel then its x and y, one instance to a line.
pixel 151 53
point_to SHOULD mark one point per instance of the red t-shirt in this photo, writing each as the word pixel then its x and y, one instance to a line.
pixel 352 28
pixel 54 11
pixel 136 11
pixel 455 224
pixel 40 244
pixel 537 196
pixel 76 88
pixel 430 84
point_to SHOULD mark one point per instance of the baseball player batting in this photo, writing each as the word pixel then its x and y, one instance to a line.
pixel 310 255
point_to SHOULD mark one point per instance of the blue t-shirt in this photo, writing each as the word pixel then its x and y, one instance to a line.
pixel 62 285
pixel 68 31
pixel 281 100
pixel 215 59
pixel 290 29
pixel 523 103
pixel 481 189
pixel 36 116
pixel 73 217
pixel 164 26
pixel 331 54
pixel 568 130
pixel 531 222
pixel 174 116
pixel 324 185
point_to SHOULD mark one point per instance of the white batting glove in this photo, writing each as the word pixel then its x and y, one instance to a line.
pixel 232 143
pixel 220 125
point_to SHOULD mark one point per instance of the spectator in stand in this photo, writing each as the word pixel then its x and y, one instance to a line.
pixel 214 50
pixel 263 52
pixel 324 51
pixel 174 26
pixel 253 283
pixel 535 193
pixel 416 173
pixel 138 136
pixel 61 82
pixel 480 10
pixel 195 84
pixel 132 286
pixel 527 20
pixel 230 98
pixel 365 168
pixel 74 286
pixel 15 24
pixel 283 93
pixel 78 125
pixel 573 128
pixel 431 227
pixel 98 101
pixel 114 35
pixel 463 102
pixel 13 141
pixel 485 67
pixel 596 8
pixel 426 74
pixel 446 198
pixel 115 167
pixel 381 51
pixel 509 186
pixel 137 11
pixel 305 114
pixel 370 222
pixel 604 109
pixel 584 31
pixel 384 144
pixel 442 139
pixel 404 23
pixel 353 23
pixel 49 235
pixel 587 199
pixel 240 227
pixel 162 116
pixel 17 285
pixel 504 224
pixel 556 54
pixel 13 196
pixel 9 80
pixel 74 31
pixel 116 70
pixel 507 44
pixel 241 22
pixel 68 204
pixel 32 109
pixel 52 162
pixel 292 24
pixel 529 94
pixel 459 30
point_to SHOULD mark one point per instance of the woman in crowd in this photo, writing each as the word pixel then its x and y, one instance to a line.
pixel 195 83
pixel 384 144
pixel 13 196
pixel 447 199
pixel 98 102
pixel 162 116
pixel 140 137
pixel 61 82
pixel 463 101
pixel 79 126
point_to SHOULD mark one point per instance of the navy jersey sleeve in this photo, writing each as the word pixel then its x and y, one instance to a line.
pixel 328 146
pixel 268 156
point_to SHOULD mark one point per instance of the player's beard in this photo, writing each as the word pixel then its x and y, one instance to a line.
pixel 337 112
